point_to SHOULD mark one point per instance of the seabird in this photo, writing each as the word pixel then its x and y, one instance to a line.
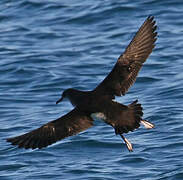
pixel 100 101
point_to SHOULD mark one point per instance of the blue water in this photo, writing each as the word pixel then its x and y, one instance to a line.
pixel 48 46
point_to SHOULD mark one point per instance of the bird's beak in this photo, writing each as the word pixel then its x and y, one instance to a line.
pixel 60 100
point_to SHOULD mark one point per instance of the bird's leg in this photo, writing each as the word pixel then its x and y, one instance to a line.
pixel 147 124
pixel 128 143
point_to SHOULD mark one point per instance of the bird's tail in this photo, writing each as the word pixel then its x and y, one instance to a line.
pixel 137 110
pixel 130 119
pixel 138 113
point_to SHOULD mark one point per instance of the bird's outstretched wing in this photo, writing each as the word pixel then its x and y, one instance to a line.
pixel 125 71
pixel 68 125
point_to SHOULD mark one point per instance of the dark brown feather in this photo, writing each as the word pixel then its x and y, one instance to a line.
pixel 124 118
pixel 125 71
pixel 70 124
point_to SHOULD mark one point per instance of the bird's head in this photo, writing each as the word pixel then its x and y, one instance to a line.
pixel 65 94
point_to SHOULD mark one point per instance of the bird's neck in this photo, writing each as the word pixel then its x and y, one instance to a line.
pixel 77 97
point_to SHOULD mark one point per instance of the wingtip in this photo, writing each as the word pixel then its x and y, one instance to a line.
pixel 9 140
pixel 150 17
pixel 152 21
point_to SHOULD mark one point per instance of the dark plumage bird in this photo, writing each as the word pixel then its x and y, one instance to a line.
pixel 100 101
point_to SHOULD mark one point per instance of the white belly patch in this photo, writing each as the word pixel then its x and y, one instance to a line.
pixel 98 115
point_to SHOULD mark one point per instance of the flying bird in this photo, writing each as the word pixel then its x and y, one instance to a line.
pixel 100 102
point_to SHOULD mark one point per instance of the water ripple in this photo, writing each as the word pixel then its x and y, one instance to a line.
pixel 48 46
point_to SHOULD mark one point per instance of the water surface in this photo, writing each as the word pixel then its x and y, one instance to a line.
pixel 48 46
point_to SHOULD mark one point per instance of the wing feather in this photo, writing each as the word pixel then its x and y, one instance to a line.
pixel 68 125
pixel 125 71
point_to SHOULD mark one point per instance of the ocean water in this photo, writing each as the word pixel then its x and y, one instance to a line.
pixel 48 46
